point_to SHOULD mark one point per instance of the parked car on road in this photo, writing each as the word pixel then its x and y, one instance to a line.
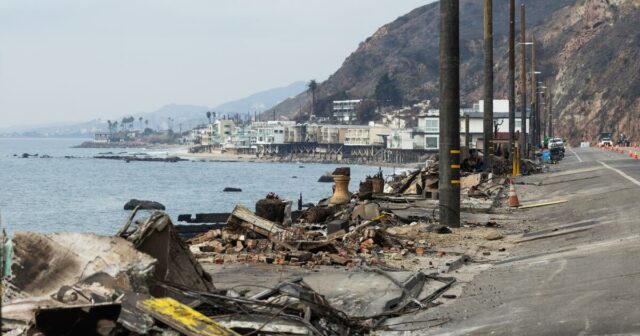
pixel 557 143
pixel 606 142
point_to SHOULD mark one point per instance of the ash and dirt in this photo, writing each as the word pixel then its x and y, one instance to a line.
pixel 344 265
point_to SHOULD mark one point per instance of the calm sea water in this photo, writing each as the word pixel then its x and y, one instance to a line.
pixel 87 195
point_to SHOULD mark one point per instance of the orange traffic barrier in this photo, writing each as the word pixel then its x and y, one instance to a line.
pixel 636 156
pixel 513 197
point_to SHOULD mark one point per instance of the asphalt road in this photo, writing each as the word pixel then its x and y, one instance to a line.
pixel 583 281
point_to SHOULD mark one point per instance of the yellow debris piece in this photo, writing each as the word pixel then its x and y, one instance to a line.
pixel 183 318
pixel 534 205
pixel 379 217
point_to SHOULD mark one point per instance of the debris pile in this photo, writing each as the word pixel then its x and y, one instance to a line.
pixel 84 284
pixel 147 280
pixel 364 230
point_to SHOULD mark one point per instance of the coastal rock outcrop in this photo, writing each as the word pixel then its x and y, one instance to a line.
pixel 144 205
pixel 232 189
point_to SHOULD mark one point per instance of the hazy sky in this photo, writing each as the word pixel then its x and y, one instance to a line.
pixel 74 60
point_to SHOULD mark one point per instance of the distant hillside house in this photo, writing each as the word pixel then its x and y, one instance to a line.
pixel 100 137
pixel 270 132
pixel 218 132
pixel 345 110
pixel 429 123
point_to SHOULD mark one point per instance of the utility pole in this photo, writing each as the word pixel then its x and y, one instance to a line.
pixel 467 136
pixel 523 82
pixel 550 113
pixel 534 97
pixel 543 116
pixel 449 163
pixel 488 86
pixel 512 78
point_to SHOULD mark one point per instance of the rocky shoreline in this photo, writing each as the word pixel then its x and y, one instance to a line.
pixel 227 157
pixel 92 144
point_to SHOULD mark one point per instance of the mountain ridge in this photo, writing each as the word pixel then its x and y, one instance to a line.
pixel 569 35
pixel 185 115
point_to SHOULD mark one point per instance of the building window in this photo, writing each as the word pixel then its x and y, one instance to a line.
pixel 431 142
pixel 518 124
pixel 433 125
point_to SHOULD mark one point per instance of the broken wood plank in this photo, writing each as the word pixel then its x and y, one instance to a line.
pixel 555 234
pixel 245 218
pixel 183 318
pixel 254 222
pixel 535 205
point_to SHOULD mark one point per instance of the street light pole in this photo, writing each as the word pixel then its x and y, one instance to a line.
pixel 488 86
pixel 449 161
pixel 512 79
pixel 523 82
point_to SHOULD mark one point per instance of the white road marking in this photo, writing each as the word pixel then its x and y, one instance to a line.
pixel 634 181
pixel 574 153
pixel 563 265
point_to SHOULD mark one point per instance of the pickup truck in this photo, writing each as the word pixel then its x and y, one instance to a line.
pixel 606 142
pixel 556 149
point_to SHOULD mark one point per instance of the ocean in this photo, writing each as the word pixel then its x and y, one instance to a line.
pixel 84 194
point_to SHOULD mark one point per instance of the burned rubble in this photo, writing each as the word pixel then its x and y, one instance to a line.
pixel 354 260
pixel 359 229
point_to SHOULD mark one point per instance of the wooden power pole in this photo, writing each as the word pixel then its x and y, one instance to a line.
pixel 488 86
pixel 534 97
pixel 523 82
pixel 467 133
pixel 550 107
pixel 512 78
pixel 449 184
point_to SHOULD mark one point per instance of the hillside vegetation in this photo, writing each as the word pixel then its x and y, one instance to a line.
pixel 588 52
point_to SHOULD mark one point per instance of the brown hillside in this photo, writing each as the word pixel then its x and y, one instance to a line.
pixel 588 51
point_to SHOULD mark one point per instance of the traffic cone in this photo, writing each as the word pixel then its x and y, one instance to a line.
pixel 630 154
pixel 636 156
pixel 513 198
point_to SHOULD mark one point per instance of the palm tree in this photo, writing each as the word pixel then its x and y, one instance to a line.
pixel 109 125
pixel 209 116
pixel 170 123
pixel 313 85
pixel 146 123
pixel 140 120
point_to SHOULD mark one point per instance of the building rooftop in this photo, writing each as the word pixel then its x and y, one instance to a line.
pixel 347 101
